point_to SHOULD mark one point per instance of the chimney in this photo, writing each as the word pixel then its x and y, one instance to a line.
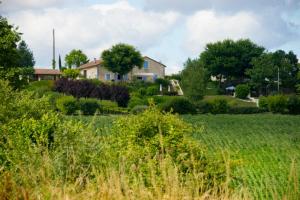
pixel 95 60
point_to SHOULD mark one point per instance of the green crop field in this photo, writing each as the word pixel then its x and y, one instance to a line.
pixel 266 148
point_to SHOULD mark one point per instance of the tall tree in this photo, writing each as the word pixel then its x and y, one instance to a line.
pixel 9 37
pixel 193 79
pixel 26 58
pixel 75 58
pixel 265 70
pixel 9 56
pixel 230 59
pixel 121 58
pixel 59 63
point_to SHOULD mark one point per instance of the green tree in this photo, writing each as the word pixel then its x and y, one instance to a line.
pixel 26 58
pixel 230 59
pixel 75 58
pixel 264 73
pixel 71 73
pixel 59 63
pixel 193 79
pixel 121 58
pixel 13 59
pixel 9 37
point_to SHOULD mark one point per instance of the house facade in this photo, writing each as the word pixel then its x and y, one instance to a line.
pixel 150 71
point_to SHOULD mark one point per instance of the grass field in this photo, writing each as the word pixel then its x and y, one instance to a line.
pixel 266 148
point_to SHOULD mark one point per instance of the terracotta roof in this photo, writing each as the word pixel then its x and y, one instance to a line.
pixel 90 64
pixel 47 71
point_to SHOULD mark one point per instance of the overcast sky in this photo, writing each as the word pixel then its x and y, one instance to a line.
pixel 167 30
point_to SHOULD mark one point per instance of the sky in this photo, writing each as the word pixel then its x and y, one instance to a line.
pixel 170 31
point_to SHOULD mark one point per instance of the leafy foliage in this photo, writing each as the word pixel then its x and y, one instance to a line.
pixel 193 80
pixel 293 104
pixel 26 58
pixel 242 91
pixel 86 89
pixel 121 58
pixel 67 105
pixel 230 58
pixel 71 73
pixel 277 104
pixel 152 136
pixel 88 106
pixel 75 58
pixel 179 105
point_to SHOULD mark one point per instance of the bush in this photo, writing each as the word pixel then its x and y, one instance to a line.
pixel 146 140
pixel 136 101
pixel 293 105
pixel 85 88
pixel 67 105
pixel 41 87
pixel 214 106
pixel 71 73
pixel 245 110
pixel 263 103
pixel 277 104
pixel 17 104
pixel 142 92
pixel 52 98
pixel 139 109
pixel 179 105
pixel 120 94
pixel 88 106
pixel 152 90
pixel 242 91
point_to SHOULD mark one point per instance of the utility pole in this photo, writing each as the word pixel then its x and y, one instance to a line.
pixel 53 59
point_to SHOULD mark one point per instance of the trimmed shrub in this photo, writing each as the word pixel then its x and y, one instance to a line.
pixel 277 104
pixel 179 105
pixel 139 109
pixel 67 105
pixel 242 91
pixel 102 92
pixel 142 92
pixel 245 110
pixel 88 106
pixel 218 106
pixel 263 103
pixel 293 105
pixel 120 94
pixel 152 90
pixel 52 97
pixel 85 88
pixel 136 101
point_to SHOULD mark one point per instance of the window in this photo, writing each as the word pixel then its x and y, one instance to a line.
pixel 146 64
pixel 84 73
pixel 154 77
pixel 144 78
pixel 107 77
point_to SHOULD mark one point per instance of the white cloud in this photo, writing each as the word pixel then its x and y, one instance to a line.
pixel 91 29
pixel 206 26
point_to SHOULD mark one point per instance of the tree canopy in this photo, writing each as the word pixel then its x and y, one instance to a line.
pixel 230 59
pixel 266 67
pixel 122 58
pixel 193 79
pixel 9 37
pixel 76 58
pixel 16 61
pixel 26 58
